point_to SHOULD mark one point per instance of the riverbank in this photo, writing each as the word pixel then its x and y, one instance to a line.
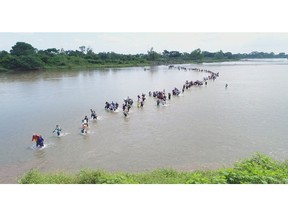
pixel 76 67
pixel 259 169
pixel 115 65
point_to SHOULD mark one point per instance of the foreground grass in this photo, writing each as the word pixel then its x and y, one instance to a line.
pixel 259 169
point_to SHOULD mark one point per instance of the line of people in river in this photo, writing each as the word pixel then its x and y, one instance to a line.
pixel 161 96
pixel 85 124
pixel 128 102
pixel 40 141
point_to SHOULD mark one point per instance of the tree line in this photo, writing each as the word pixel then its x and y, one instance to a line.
pixel 24 56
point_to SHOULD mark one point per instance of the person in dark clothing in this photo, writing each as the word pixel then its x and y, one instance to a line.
pixel 93 114
pixel 39 140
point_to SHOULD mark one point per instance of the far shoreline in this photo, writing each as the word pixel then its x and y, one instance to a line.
pixel 109 66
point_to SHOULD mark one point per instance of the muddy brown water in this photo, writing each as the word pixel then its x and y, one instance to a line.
pixel 205 128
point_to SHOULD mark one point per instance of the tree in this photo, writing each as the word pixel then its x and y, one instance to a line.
pixel 3 54
pixel 219 55
pixel 282 55
pixel 207 54
pixel 89 51
pixel 58 60
pixel 22 48
pixel 196 54
pixel 166 53
pixel 82 49
pixel 23 62
pixel 30 62
pixel 228 55
pixel 152 55
pixel 174 54
pixel 9 61
pixel 51 51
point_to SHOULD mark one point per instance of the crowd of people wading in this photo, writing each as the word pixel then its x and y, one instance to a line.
pixel 160 97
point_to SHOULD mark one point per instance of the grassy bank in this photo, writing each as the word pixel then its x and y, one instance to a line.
pixel 90 66
pixel 94 66
pixel 77 67
pixel 146 64
pixel 259 169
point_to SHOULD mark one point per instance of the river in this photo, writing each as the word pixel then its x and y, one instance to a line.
pixel 208 127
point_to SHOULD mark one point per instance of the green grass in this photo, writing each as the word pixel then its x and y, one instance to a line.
pixel 85 65
pixel 95 66
pixel 259 169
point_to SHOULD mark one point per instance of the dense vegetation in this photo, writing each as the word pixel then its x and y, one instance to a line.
pixel 259 169
pixel 24 56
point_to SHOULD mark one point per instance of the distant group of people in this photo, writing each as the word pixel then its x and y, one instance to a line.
pixel 176 91
pixel 111 106
pixel 161 96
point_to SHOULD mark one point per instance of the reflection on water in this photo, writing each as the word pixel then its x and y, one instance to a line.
pixel 208 127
